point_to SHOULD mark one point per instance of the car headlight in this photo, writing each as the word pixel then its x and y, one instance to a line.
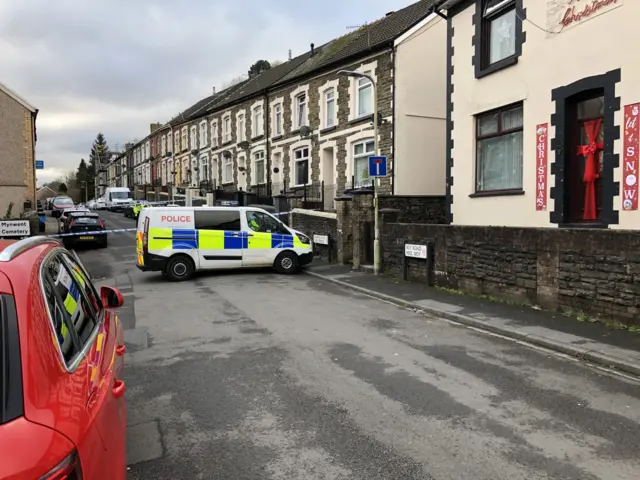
pixel 304 239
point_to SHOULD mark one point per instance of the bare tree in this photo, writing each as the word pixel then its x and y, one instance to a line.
pixel 234 81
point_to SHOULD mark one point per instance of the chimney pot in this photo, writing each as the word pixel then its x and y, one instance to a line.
pixel 289 54
pixel 312 50
pixel 389 13
pixel 214 90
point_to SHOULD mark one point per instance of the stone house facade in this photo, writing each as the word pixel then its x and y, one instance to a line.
pixel 17 153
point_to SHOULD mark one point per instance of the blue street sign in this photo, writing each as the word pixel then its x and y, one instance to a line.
pixel 39 164
pixel 377 166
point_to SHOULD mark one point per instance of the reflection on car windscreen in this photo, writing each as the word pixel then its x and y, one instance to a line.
pixel 86 220
pixel 120 195
pixel 63 201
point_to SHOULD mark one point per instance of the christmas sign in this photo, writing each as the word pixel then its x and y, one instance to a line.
pixel 630 157
pixel 562 14
pixel 541 166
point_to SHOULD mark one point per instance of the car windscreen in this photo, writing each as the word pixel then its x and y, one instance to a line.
pixel 63 201
pixel 120 195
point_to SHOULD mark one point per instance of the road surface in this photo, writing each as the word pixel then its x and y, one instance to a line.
pixel 251 375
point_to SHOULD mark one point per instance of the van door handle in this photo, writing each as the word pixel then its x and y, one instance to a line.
pixel 118 388
pixel 249 234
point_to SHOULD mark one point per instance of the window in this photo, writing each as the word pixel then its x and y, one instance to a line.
pixel 227 220
pixel 258 121
pixel 301 110
pixel 205 170
pixel 176 143
pixel 170 141
pixel 203 135
pixel 226 129
pixel 184 144
pixel 74 307
pixel 361 153
pixel 278 119
pixel 261 222
pixel 330 108
pixel 241 134
pixel 301 157
pixel 258 168
pixel 214 134
pixel 499 150
pixel 227 169
pixel 365 96
pixel 193 138
pixel 499 30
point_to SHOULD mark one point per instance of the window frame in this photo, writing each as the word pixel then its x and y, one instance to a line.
pixel 301 101
pixel 184 143
pixel 254 178
pixel 257 121
pixel 203 135
pixel 98 314
pixel 193 137
pixel 280 228
pixel 482 47
pixel 365 154
pixel 500 133
pixel 241 132
pixel 329 122
pixel 227 161
pixel 170 142
pixel 214 133
pixel 226 129
pixel 296 161
pixel 214 212
pixel 359 89
pixel 277 119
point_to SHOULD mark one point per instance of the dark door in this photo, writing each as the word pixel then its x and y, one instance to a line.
pixel 585 127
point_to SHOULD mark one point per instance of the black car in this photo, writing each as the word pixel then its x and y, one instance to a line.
pixel 81 222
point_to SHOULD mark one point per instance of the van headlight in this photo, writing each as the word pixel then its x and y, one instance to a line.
pixel 304 239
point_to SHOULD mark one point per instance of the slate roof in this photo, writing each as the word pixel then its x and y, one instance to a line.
pixel 367 39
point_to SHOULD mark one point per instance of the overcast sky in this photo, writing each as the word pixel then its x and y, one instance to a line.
pixel 116 66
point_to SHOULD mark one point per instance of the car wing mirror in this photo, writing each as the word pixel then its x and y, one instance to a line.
pixel 111 298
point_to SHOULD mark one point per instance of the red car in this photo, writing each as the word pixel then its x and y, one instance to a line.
pixel 62 404
pixel 59 205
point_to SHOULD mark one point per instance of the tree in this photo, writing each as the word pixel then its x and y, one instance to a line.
pixel 259 67
pixel 99 155
pixel 82 179
pixel 233 81
pixel 62 188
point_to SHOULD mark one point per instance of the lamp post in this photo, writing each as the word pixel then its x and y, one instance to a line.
pixel 376 184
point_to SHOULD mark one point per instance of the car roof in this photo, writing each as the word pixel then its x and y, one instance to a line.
pixel 82 213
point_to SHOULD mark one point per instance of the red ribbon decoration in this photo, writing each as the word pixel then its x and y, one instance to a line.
pixel 592 128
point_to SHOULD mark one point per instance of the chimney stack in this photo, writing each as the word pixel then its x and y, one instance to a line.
pixel 313 51
pixel 154 126
pixel 289 54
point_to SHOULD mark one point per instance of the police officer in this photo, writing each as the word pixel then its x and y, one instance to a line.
pixel 253 222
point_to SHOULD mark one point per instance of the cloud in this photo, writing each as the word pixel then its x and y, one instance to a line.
pixel 115 66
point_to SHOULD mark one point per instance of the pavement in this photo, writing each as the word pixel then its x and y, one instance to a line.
pixel 590 341
pixel 253 375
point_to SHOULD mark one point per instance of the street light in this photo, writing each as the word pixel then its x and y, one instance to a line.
pixel 376 184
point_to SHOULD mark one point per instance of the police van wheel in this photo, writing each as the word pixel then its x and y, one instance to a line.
pixel 286 262
pixel 179 268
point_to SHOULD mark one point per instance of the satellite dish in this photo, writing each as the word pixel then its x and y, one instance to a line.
pixel 276 170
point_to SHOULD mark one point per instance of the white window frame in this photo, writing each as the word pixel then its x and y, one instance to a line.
pixel 300 160
pixel 258 156
pixel 354 102
pixel 202 163
pixel 277 120
pixel 170 144
pixel 227 161
pixel 304 104
pixel 363 83
pixel 203 134
pixel 214 134
pixel 226 128
pixel 241 127
pixel 184 140
pixel 329 122
pixel 257 121
pixel 366 154
pixel 193 137
pixel 164 145
pixel 295 96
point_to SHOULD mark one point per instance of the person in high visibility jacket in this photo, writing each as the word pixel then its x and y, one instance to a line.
pixel 253 223
pixel 136 210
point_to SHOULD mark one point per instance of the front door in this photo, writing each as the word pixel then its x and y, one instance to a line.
pixel 221 240
pixel 267 238
pixel 583 185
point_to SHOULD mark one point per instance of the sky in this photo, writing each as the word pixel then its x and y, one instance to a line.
pixel 116 66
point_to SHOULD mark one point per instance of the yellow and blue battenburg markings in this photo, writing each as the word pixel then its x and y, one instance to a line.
pixel 188 239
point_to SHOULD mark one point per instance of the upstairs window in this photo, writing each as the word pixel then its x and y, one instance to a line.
pixel 241 128
pixel 185 139
pixel 498 35
pixel 258 121
pixel 226 129
pixel 365 96
pixel 203 134
pixel 169 142
pixel 277 129
pixel 301 110
pixel 330 108
pixel 194 139
pixel 214 134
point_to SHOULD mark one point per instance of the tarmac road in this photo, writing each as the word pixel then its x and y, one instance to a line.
pixel 251 375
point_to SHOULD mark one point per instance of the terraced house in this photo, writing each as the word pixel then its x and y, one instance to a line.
pixel 304 129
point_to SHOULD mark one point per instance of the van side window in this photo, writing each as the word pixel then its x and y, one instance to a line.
pixel 73 317
pixel 261 222
pixel 228 220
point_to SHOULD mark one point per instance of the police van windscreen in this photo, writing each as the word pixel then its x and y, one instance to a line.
pixel 120 195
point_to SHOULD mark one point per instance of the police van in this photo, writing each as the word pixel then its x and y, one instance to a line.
pixel 177 241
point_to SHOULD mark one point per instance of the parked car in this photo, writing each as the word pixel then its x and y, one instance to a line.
pixel 101 204
pixel 66 213
pixel 63 410
pixel 81 222
pixel 59 204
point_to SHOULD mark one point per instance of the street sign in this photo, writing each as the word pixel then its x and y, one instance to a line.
pixel 321 239
pixel 377 166
pixel 39 164
pixel 415 251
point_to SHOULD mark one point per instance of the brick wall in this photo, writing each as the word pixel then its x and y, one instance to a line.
pixel 318 223
pixel 416 209
pixel 592 271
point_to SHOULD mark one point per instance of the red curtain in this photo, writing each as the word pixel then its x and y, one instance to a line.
pixel 591 170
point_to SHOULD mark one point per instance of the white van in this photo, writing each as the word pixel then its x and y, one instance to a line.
pixel 117 198
pixel 177 241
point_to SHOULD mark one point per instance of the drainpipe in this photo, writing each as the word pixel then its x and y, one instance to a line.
pixel 266 117
pixel 393 123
